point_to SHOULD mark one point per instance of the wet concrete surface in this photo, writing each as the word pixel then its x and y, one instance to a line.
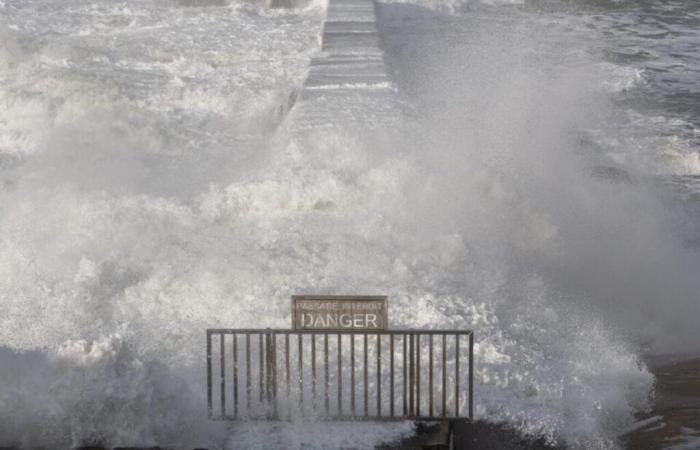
pixel 674 421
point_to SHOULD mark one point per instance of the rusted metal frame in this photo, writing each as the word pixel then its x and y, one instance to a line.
pixel 444 375
pixel 268 368
pixel 261 365
pixel 209 376
pixel 222 374
pixel 327 378
pixel 344 331
pixel 404 367
pixel 456 375
pixel 274 372
pixel 379 375
pixel 347 418
pixel 287 375
pixel 301 368
pixel 248 386
pixel 235 375
pixel 340 375
pixel 418 374
pixel 270 364
pixel 471 376
pixel 272 367
pixel 411 375
pixel 391 375
pixel 352 375
pixel 430 376
pixel 313 370
pixel 364 385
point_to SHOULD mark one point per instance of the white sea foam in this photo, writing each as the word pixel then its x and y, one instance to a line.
pixel 156 201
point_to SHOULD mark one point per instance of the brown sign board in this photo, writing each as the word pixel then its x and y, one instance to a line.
pixel 340 312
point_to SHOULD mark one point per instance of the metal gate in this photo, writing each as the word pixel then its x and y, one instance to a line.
pixel 349 375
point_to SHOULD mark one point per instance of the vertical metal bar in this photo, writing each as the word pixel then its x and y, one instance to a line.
pixel 444 375
pixel 222 374
pixel 430 377
pixel 300 339
pixel 325 365
pixel 456 374
pixel 411 370
pixel 471 376
pixel 313 369
pixel 405 377
pixel 261 361
pixel 286 368
pixel 248 388
pixel 379 375
pixel 273 360
pixel 391 376
pixel 418 374
pixel 365 370
pixel 209 375
pixel 410 375
pixel 352 373
pixel 340 375
pixel 235 374
pixel 268 366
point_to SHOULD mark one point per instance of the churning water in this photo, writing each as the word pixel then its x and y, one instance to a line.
pixel 536 178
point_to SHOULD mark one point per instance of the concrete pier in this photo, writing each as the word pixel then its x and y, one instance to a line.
pixel 351 57
pixel 349 77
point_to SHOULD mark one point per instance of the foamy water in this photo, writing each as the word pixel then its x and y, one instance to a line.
pixel 152 186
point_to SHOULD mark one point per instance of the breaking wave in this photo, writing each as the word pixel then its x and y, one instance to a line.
pixel 151 188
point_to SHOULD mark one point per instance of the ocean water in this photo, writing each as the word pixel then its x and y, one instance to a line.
pixel 533 174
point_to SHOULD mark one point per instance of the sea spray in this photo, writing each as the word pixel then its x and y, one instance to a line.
pixel 479 207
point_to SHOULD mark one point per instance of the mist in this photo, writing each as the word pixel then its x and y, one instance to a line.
pixel 147 205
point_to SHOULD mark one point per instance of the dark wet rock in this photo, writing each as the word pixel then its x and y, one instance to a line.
pixel 487 436
pixel 468 436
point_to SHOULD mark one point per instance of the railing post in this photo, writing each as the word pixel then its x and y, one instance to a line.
pixel 352 374
pixel 326 379
pixel 457 374
pixel 430 375
pixel 340 375
pixel 444 375
pixel 364 368
pixel 269 372
pixel 300 355
pixel 418 374
pixel 411 375
pixel 286 371
pixel 391 375
pixel 248 386
pixel 379 375
pixel 471 376
pixel 209 375
pixel 273 360
pixel 261 367
pixel 404 369
pixel 222 374
pixel 235 374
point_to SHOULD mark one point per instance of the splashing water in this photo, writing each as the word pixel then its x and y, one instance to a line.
pixel 151 188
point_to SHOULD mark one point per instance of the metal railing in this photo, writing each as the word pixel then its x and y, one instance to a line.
pixel 354 375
